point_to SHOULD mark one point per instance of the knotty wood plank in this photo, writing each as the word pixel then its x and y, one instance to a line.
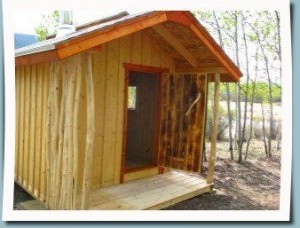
pixel 201 112
pixel 136 48
pixel 124 57
pixel 17 119
pixel 146 50
pixel 45 82
pixel 38 142
pixel 32 129
pixel 99 73
pixel 111 102
pixel 90 136
pixel 27 126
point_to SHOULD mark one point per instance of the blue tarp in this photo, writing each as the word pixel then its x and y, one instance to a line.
pixel 22 40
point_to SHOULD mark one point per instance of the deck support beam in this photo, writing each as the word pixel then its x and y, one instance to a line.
pixel 214 132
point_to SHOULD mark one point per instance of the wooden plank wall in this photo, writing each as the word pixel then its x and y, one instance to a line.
pixel 32 93
pixel 109 88
pixel 181 135
pixel 47 99
pixel 31 100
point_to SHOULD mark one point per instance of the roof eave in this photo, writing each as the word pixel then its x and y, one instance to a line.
pixel 187 19
pixel 79 44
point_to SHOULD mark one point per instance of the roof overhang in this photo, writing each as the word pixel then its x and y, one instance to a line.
pixel 89 39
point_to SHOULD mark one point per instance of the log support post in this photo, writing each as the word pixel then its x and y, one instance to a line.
pixel 87 171
pixel 214 131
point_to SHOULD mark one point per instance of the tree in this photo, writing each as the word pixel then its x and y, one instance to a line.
pixel 227 93
pixel 48 25
pixel 253 40
pixel 251 106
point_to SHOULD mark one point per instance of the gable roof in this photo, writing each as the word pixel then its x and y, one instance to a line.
pixel 96 34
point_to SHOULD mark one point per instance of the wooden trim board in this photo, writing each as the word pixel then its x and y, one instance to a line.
pixel 157 71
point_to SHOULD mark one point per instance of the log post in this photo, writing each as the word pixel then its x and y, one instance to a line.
pixel 214 132
pixel 75 129
pixel 48 139
pixel 70 110
pixel 90 135
pixel 54 131
pixel 58 178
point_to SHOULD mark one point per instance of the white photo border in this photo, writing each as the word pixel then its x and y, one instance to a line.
pixel 283 214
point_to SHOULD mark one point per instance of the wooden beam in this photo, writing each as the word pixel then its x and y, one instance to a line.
pixel 202 69
pixel 203 35
pixel 186 18
pixel 88 160
pixel 143 68
pixel 86 42
pixel 214 132
pixel 172 40
pixel 41 57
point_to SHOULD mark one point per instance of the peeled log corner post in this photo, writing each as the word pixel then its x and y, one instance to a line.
pixel 214 132
pixel 85 199
pixel 75 129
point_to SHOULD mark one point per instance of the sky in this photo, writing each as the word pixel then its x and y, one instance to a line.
pixel 26 21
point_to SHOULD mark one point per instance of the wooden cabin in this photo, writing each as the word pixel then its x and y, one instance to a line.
pixel 112 116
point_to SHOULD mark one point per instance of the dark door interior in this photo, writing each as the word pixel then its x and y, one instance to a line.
pixel 141 118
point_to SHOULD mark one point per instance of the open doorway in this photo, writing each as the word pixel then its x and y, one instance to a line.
pixel 142 109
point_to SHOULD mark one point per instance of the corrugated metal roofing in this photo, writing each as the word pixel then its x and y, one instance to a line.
pixel 48 45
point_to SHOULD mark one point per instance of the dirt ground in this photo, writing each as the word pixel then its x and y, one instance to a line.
pixel 253 185
pixel 20 195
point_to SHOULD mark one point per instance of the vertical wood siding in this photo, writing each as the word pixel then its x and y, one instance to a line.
pixel 31 94
pixel 36 84
pixel 109 76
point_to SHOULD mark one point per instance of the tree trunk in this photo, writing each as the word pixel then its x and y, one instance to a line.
pixel 264 127
pixel 227 92
pixel 251 107
pixel 239 114
pixel 247 83
pixel 279 42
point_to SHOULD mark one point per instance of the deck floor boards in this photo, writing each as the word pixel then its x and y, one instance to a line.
pixel 153 192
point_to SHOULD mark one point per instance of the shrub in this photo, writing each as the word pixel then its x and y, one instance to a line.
pixel 223 123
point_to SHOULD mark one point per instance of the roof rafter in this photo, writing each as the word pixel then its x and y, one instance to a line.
pixel 173 41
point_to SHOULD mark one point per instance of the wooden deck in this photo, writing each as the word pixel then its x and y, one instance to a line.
pixel 154 192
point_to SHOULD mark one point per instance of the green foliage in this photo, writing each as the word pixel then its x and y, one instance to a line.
pixel 48 25
pixel 261 92
pixel 132 97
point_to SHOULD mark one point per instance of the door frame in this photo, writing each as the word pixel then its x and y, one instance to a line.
pixel 158 71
